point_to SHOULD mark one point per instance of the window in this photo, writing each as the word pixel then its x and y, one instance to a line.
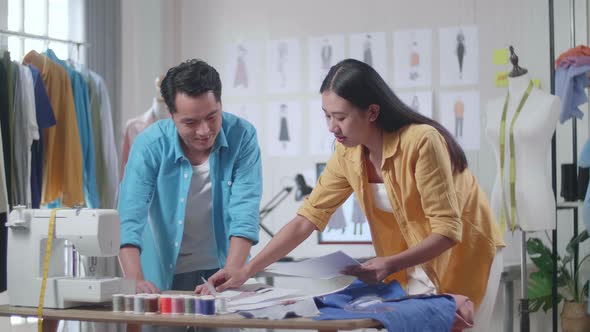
pixel 51 18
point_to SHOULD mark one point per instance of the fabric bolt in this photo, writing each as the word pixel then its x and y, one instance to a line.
pixel 570 85
pixel 157 181
pixel 426 198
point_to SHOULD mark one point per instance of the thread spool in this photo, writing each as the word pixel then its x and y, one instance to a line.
pixel 151 304
pixel 165 305
pixel 138 305
pixel 129 303
pixel 177 305
pixel 189 305
pixel 221 305
pixel 207 305
pixel 118 303
pixel 198 310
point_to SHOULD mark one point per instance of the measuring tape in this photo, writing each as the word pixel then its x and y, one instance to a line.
pixel 45 269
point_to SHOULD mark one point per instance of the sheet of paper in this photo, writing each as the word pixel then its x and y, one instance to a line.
pixel 309 289
pixel 323 267
pixel 269 295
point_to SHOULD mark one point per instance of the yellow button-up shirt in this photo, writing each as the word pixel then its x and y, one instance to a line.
pixel 426 198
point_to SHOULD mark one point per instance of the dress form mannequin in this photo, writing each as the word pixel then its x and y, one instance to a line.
pixel 533 129
pixel 159 109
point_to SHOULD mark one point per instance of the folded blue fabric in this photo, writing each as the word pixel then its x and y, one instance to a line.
pixel 389 304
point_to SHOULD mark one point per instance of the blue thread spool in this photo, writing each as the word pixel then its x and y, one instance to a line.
pixel 207 305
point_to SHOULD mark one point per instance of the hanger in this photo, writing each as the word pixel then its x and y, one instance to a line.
pixel 516 69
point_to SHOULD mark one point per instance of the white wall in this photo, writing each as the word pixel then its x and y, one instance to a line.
pixel 167 32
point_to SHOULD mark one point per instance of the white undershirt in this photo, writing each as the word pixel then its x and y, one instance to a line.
pixel 198 250
pixel 418 281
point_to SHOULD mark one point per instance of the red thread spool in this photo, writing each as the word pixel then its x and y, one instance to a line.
pixel 165 305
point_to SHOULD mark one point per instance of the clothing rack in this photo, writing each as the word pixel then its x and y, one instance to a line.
pixel 78 44
pixel 574 207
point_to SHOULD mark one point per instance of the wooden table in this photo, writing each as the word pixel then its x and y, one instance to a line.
pixel 98 314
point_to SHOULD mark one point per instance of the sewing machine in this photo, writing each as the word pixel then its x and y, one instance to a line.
pixel 92 232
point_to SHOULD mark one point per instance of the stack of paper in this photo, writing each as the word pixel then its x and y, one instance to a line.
pixel 323 267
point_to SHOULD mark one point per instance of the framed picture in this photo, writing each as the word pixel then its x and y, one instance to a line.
pixel 348 224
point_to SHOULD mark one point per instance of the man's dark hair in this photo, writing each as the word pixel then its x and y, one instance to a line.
pixel 193 77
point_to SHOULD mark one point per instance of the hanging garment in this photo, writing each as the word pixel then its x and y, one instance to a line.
pixel 26 121
pixel 5 140
pixel 62 170
pixel 576 61
pixel 82 107
pixel 584 161
pixel 7 121
pixel 45 119
pixel 576 51
pixel 570 85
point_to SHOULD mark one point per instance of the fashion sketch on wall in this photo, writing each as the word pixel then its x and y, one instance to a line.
pixel 459 53
pixel 324 52
pixel 412 58
pixel 460 114
pixel 370 48
pixel 283 128
pixel 283 66
pixel 419 101
pixel 321 140
pixel 241 65
pixel 348 224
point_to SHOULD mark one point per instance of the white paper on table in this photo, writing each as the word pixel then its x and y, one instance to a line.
pixel 323 267
pixel 271 294
pixel 310 288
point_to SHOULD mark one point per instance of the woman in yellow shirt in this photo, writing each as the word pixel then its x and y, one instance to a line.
pixel 430 222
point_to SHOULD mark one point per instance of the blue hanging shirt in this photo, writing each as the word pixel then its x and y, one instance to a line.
pixel 570 85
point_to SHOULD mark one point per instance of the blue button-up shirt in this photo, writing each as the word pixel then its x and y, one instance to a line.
pixel 155 189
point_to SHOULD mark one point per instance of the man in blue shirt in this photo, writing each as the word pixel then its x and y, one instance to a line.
pixel 191 191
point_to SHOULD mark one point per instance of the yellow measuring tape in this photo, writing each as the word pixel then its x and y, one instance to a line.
pixel 512 158
pixel 45 269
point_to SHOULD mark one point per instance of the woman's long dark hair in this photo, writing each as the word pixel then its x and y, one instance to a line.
pixel 362 86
